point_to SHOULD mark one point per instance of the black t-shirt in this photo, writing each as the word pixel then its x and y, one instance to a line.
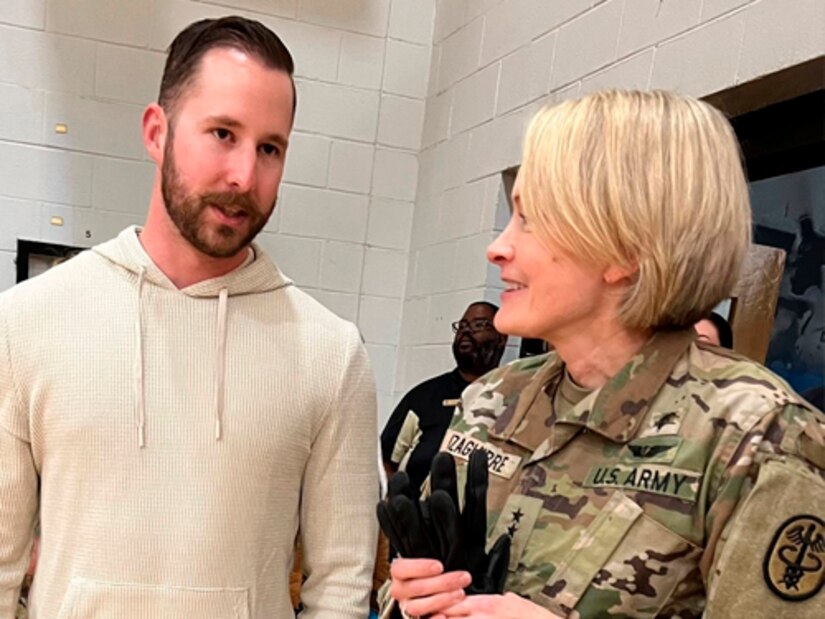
pixel 430 406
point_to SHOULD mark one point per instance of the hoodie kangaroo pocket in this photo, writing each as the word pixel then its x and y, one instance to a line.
pixel 95 599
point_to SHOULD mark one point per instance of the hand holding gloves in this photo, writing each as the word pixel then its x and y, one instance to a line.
pixel 436 528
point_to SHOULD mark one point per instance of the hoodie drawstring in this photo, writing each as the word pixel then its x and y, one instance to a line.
pixel 220 362
pixel 140 398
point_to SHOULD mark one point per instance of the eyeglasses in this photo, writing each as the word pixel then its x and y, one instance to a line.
pixel 474 326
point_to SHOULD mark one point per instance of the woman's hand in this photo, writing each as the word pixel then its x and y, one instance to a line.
pixel 421 587
pixel 507 606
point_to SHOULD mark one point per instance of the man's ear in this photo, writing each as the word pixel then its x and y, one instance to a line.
pixel 155 131
pixel 615 274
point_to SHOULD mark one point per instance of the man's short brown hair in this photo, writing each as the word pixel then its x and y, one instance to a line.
pixel 192 43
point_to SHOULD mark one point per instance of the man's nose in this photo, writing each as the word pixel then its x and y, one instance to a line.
pixel 241 170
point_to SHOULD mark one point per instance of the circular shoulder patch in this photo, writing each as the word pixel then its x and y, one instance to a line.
pixel 794 566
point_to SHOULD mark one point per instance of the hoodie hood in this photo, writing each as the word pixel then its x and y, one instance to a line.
pixel 256 276
pixel 260 275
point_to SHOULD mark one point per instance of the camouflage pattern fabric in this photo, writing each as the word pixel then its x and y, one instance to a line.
pixel 627 504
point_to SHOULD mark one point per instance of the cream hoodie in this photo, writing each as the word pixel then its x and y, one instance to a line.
pixel 173 441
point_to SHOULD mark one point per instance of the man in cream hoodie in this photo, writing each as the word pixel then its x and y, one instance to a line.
pixel 172 409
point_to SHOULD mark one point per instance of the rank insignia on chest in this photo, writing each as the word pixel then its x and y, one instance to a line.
pixel 517 520
pixel 451 402
pixel 794 566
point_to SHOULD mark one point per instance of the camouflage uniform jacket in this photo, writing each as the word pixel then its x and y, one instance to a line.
pixel 691 482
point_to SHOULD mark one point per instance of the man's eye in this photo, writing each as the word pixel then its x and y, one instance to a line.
pixel 270 150
pixel 221 134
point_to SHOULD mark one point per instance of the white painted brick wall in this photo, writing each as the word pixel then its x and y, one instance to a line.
pixel 390 223
pixel 525 74
pixel 298 257
pixel 384 272
pixel 320 213
pixel 342 266
pixel 406 70
pixel 307 161
pixel 46 61
pixel 633 73
pixel 412 20
pixel 779 34
pixel 170 16
pixel 126 74
pixel 395 175
pixel 119 21
pixel 654 21
pixel 90 226
pixel 93 126
pixel 8 269
pixel 283 8
pixel 339 111
pixel 378 319
pixel 587 43
pixel 450 16
pixel 350 166
pixel 22 120
pixel 475 99
pixel 20 220
pixel 681 64
pixel 27 13
pixel 353 15
pixel 343 304
pixel 460 54
pixel 315 50
pixel 39 173
pixel 401 122
pixel 121 185
pixel 362 60
pixel 715 8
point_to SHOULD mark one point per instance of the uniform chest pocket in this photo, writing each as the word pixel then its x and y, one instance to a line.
pixel 624 564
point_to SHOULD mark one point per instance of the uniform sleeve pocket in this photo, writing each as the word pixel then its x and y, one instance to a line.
pixel 624 560
pixel 94 599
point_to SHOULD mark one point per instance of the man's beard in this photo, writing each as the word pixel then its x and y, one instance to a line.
pixel 480 359
pixel 187 212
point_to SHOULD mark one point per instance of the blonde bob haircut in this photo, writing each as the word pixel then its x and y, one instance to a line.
pixel 647 181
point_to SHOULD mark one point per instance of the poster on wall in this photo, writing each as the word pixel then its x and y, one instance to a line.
pixel 789 213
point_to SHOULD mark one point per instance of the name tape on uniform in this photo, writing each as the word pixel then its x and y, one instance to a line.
pixel 499 462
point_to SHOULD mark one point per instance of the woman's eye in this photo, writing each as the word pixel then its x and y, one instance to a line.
pixel 221 134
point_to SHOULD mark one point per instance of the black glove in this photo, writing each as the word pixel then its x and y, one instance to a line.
pixel 435 528
pixel 406 521
pixel 489 570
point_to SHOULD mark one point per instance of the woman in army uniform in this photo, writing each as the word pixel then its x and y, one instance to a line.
pixel 638 471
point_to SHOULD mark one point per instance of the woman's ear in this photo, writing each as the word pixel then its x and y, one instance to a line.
pixel 615 274
pixel 155 131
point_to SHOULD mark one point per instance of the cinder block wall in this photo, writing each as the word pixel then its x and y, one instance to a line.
pixel 409 110
pixel 495 62
pixel 342 226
